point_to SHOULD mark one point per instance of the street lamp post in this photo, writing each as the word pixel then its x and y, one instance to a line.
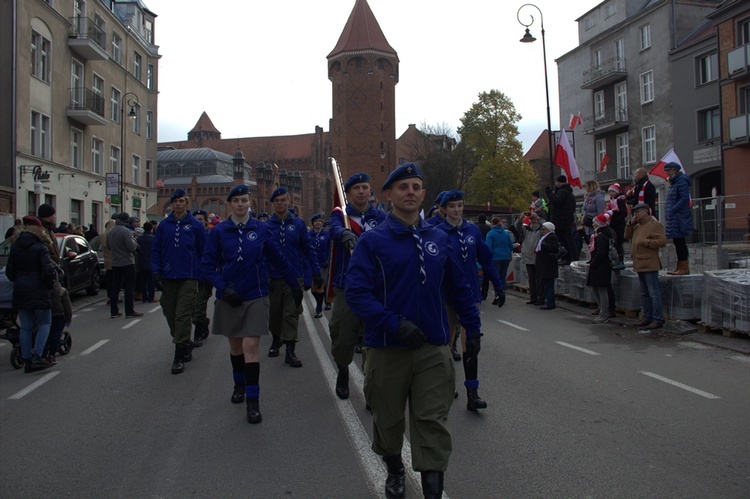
pixel 528 38
pixel 131 100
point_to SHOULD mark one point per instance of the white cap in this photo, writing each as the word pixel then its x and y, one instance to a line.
pixel 549 226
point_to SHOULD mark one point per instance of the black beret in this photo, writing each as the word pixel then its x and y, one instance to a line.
pixel 407 170
pixel 179 193
pixel 357 178
pixel 238 190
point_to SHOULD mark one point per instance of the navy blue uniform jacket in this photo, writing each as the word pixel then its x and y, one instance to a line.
pixel 383 284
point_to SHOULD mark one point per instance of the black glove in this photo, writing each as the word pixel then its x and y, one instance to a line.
pixel 409 334
pixel 230 296
pixel 157 282
pixel 348 239
pixel 297 294
pixel 473 345
pixel 499 298
pixel 318 280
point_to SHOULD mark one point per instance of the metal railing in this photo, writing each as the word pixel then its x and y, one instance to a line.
pixel 83 27
pixel 85 99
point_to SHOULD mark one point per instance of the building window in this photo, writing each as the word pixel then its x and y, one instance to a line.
pixel 148 25
pixel 647 87
pixel 645 36
pixel 150 77
pixel 648 135
pixel 708 68
pixel 137 119
pixel 149 173
pixel 743 32
pixel 116 48
pixel 136 170
pixel 621 101
pixel 114 101
pixel 31 204
pixel 620 54
pixel 76 149
pixel 599 105
pixel 623 156
pixel 150 125
pixel 709 123
pixel 114 159
pixel 597 56
pixel 744 94
pixel 97 149
pixel 40 135
pixel 601 151
pixel 98 86
pixel 589 23
pixel 40 57
pixel 609 10
pixel 137 66
pixel 75 212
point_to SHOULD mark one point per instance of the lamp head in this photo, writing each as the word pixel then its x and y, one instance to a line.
pixel 527 38
pixel 132 114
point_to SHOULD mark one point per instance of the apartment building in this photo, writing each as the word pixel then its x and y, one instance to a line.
pixel 78 108
pixel 620 78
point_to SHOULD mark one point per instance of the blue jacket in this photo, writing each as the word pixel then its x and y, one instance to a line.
pixel 367 221
pixel 178 248
pixel 471 248
pixel 223 264
pixel 294 244
pixel 383 284
pixel 435 219
pixel 320 242
pixel 679 212
pixel 500 243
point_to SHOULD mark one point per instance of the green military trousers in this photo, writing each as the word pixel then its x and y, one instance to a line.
pixel 177 303
pixel 345 327
pixel 284 314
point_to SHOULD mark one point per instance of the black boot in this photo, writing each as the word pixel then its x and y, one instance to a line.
pixel 238 394
pixel 342 383
pixel 432 484
pixel 187 354
pixel 198 336
pixel 178 365
pixel 205 329
pixel 395 483
pixel 473 401
pixel 253 411
pixel 292 359
pixel 275 345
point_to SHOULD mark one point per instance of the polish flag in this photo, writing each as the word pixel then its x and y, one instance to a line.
pixel 603 165
pixel 658 170
pixel 564 159
pixel 575 120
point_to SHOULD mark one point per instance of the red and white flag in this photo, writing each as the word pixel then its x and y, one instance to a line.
pixel 658 170
pixel 575 120
pixel 564 159
pixel 603 164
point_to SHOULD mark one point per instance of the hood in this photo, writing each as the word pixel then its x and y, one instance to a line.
pixel 29 237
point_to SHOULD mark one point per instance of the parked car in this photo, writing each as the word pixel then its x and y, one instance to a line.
pixel 78 261
pixel 96 245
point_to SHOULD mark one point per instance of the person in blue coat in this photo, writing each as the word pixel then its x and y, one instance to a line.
pixel 320 241
pixel 436 214
pixel 679 215
pixel 175 263
pixel 400 275
pixel 501 243
pixel 290 234
pixel 468 242
pixel 234 261
pixel 345 326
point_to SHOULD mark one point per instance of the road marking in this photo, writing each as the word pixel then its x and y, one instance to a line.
pixel 156 309
pixel 370 462
pixel 131 324
pixel 512 325
pixel 681 385
pixel 741 358
pixel 93 347
pixel 590 352
pixel 87 309
pixel 36 384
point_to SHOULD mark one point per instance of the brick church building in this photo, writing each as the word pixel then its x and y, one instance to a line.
pixel 363 69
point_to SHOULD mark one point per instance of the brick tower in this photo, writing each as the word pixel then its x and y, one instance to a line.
pixel 363 69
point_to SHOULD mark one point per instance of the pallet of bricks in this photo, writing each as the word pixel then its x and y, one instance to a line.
pixel 726 301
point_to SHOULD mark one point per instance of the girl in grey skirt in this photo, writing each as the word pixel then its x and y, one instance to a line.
pixel 234 260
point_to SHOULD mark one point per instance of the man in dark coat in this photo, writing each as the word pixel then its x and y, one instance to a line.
pixel 47 215
pixel 33 275
pixel 643 191
pixel 562 214
pixel 547 251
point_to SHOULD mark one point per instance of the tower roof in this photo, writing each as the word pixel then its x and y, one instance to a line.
pixel 204 124
pixel 362 32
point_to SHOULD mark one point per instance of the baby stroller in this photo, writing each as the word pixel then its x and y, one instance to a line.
pixel 12 329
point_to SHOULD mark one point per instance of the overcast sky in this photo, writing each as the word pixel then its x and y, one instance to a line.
pixel 258 68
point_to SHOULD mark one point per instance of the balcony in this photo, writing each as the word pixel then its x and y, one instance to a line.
pixel 605 73
pixel 86 107
pixel 738 61
pixel 739 126
pixel 612 119
pixel 87 39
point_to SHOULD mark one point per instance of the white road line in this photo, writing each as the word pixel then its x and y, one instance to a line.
pixel 131 324
pixel 512 325
pixel 681 385
pixel 590 352
pixel 93 347
pixel 36 384
pixel 155 309
pixel 741 358
pixel 87 309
